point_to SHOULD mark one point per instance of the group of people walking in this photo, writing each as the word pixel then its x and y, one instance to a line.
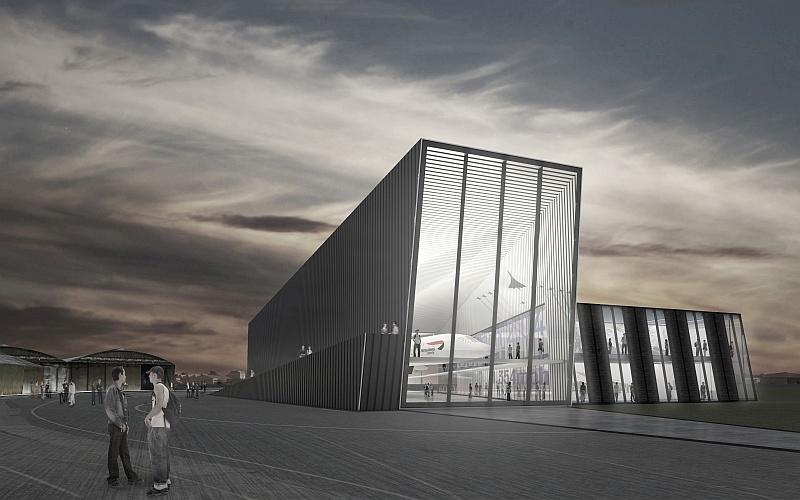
pixel 193 389
pixel 67 393
pixel 514 352
pixel 97 389
pixel 41 389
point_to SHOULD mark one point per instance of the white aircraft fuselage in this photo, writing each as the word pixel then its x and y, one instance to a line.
pixel 436 349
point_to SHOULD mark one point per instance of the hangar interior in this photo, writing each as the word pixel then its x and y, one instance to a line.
pixel 490 227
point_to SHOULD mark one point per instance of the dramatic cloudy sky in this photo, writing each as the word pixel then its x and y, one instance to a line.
pixel 166 166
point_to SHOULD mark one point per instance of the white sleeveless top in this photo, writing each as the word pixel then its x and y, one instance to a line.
pixel 158 420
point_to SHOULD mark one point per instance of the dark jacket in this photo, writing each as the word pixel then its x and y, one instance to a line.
pixel 116 406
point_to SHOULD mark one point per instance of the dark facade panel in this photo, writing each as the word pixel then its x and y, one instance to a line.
pixel 719 352
pixel 383 372
pixel 328 378
pixel 360 373
pixel 681 354
pixel 640 355
pixel 595 354
pixel 357 280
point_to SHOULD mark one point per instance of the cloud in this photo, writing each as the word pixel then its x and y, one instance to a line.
pixel 648 250
pixel 11 85
pixel 269 223
pixel 156 118
pixel 87 58
pixel 156 80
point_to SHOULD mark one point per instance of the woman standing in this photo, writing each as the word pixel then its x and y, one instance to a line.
pixel 71 393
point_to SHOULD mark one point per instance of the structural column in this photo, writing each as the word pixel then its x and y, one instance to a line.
pixel 640 355
pixel 680 350
pixel 720 354
pixel 595 353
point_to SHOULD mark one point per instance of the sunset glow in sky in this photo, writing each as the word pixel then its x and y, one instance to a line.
pixel 167 166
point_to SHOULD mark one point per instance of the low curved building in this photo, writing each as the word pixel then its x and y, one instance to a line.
pixel 83 370
pixel 53 369
pixel 18 376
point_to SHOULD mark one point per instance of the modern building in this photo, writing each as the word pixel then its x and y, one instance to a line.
pixel 471 255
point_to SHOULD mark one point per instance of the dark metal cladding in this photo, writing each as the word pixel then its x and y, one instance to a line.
pixel 383 371
pixel 719 352
pixel 357 280
pixel 361 373
pixel 599 382
pixel 328 378
pixel 640 355
pixel 682 359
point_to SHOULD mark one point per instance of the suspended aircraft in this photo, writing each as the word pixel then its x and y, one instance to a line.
pixel 435 348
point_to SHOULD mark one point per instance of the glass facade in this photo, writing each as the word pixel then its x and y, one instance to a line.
pixel 496 240
pixel 617 344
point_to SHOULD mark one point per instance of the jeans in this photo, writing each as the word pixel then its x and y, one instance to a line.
pixel 158 443
pixel 118 447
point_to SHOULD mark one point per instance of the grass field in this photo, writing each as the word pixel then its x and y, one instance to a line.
pixel 778 407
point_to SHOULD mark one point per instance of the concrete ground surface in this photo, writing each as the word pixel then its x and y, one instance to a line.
pixel 231 448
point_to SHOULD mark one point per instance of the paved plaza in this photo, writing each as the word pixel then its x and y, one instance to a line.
pixel 231 448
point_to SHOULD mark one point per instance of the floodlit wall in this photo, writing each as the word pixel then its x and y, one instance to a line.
pixel 19 379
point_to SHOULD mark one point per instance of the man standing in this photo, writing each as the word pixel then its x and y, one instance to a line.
pixel 93 388
pixel 395 328
pixel 517 351
pixel 158 434
pixel 116 406
pixel 417 342
pixel 100 391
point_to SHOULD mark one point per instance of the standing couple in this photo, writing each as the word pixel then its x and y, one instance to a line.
pixel 116 406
